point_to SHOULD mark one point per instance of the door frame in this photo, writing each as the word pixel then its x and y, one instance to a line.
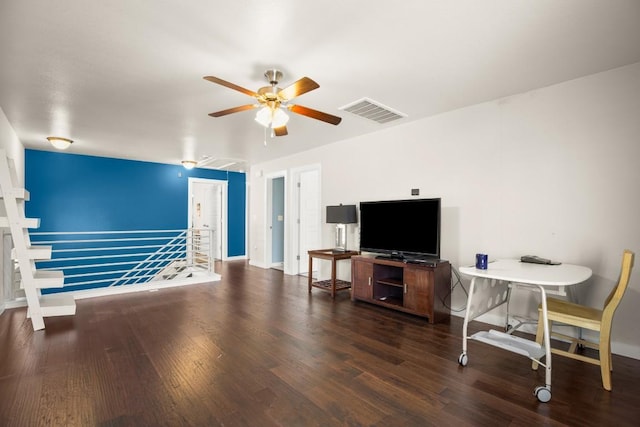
pixel 276 224
pixel 223 208
pixel 268 256
pixel 298 263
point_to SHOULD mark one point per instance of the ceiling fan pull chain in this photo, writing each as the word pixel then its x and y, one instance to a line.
pixel 265 137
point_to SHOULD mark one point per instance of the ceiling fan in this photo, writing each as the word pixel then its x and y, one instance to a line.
pixel 272 101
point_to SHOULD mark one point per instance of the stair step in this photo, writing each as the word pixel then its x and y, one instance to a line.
pixel 24 222
pixel 57 305
pixel 47 279
pixel 35 252
pixel 18 193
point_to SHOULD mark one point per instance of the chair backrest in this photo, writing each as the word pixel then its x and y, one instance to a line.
pixel 612 301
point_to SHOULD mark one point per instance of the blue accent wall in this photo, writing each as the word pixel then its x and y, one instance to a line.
pixel 71 192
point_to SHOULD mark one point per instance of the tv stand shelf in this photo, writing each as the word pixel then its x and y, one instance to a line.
pixel 390 301
pixel 423 289
pixel 391 282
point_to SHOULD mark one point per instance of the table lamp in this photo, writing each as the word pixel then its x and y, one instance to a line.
pixel 341 216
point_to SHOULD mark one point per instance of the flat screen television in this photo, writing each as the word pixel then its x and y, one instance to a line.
pixel 405 229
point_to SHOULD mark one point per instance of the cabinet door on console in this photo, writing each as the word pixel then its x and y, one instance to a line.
pixel 418 286
pixel 362 280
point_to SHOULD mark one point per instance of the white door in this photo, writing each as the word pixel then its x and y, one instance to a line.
pixel 309 217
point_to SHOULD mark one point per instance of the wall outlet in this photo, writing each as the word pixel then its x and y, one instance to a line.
pixel 415 191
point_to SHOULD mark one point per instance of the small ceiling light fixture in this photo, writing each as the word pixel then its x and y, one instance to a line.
pixel 189 164
pixel 59 143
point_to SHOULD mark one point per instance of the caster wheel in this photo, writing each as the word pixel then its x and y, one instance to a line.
pixel 543 394
pixel 463 360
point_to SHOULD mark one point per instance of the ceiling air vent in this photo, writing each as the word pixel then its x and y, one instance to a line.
pixel 373 110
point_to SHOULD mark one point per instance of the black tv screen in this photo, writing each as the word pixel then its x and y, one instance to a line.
pixel 401 228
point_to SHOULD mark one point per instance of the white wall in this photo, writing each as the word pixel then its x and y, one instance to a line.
pixel 552 172
pixel 10 143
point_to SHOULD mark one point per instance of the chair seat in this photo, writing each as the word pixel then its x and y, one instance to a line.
pixel 574 314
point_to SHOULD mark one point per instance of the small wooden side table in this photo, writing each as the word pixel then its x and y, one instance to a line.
pixel 333 285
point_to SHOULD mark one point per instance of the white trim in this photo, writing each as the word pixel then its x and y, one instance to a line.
pixel 498 319
pixel 127 289
pixel 246 218
pixel 257 264
pixel 224 208
pixel 267 216
pixel 292 266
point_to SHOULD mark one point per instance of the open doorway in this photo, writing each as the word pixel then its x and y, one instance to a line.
pixel 276 221
pixel 207 214
pixel 300 218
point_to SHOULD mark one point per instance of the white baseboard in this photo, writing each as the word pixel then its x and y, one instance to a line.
pixel 621 349
pixel 257 264
pixel 149 286
pixel 125 289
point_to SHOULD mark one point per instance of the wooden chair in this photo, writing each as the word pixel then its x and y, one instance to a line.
pixel 568 313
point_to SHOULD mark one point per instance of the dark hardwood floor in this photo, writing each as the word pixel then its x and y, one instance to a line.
pixel 256 350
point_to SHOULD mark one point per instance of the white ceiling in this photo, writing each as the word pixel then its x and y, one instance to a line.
pixel 123 78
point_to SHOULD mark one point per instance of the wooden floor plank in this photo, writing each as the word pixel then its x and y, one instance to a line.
pixel 255 349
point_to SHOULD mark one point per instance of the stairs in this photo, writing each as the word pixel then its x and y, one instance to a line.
pixel 32 281
pixel 175 270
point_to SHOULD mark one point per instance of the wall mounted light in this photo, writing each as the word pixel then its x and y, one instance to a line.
pixel 59 143
pixel 189 164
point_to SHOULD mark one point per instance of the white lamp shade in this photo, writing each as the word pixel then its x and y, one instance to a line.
pixel 280 118
pixel 263 116
pixel 274 118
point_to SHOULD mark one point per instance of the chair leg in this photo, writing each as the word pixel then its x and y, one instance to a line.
pixel 605 363
pixel 539 338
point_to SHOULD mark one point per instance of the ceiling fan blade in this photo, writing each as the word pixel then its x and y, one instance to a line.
pixel 303 85
pixel 234 110
pixel 231 86
pixel 281 131
pixel 315 114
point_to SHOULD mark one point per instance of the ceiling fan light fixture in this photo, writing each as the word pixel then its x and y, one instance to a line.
pixel 189 164
pixel 271 118
pixel 280 118
pixel 263 116
pixel 59 143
